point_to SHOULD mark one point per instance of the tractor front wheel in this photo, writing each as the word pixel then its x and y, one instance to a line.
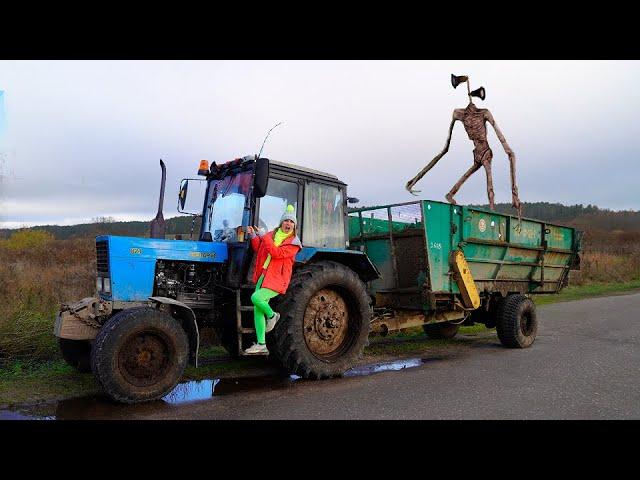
pixel 139 355
pixel 76 353
pixel 442 330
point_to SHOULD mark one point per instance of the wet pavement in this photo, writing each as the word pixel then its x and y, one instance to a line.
pixel 99 407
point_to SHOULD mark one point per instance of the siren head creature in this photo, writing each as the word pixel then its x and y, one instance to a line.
pixel 474 120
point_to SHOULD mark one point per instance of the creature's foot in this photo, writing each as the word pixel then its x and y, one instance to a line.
pixel 450 199
pixel 409 187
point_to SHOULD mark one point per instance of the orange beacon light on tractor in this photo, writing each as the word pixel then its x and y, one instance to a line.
pixel 204 167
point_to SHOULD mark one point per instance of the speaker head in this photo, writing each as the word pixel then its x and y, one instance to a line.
pixel 480 93
pixel 458 79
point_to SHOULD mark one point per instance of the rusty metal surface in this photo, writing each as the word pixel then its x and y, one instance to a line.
pixel 326 323
pixel 81 320
pixel 145 358
pixel 399 319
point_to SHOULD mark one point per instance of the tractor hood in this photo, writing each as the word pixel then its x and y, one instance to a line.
pixel 130 262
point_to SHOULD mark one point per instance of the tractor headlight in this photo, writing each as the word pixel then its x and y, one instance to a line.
pixel 99 284
pixel 106 282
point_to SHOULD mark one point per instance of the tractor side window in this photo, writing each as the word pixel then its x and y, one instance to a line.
pixel 280 193
pixel 323 216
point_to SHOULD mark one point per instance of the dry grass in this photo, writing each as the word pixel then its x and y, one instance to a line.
pixel 608 257
pixel 37 273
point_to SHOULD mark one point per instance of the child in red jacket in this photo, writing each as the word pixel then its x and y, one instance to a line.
pixel 276 251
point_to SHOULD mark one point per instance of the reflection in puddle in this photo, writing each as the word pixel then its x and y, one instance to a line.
pixel 384 367
pixel 192 391
pixel 15 415
pixel 100 407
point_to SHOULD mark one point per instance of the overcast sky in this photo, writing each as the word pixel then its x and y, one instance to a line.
pixel 82 138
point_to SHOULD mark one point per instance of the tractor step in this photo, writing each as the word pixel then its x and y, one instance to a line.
pixel 254 354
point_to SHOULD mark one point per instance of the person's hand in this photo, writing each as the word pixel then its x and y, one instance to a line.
pixel 250 230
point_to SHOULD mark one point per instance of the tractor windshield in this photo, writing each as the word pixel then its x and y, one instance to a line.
pixel 225 206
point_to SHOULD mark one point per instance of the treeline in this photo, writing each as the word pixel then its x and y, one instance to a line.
pixel 175 225
pixel 580 216
pixel 589 217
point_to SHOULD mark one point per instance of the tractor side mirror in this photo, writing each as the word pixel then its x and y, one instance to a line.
pixel 182 196
pixel 193 203
pixel 261 177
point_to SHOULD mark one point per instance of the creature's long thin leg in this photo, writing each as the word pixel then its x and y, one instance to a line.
pixel 456 187
pixel 515 199
pixel 431 164
pixel 487 167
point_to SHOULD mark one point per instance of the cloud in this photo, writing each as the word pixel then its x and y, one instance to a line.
pixel 83 138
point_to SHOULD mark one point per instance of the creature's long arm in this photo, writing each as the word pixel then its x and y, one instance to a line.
pixel 431 164
pixel 515 201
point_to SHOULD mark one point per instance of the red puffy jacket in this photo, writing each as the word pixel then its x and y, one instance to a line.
pixel 278 273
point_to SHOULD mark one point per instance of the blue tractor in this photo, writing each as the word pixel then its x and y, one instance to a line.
pixel 154 295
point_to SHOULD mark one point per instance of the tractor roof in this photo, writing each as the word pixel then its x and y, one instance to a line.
pixel 304 169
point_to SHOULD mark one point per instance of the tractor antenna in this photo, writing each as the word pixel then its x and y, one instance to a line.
pixel 265 138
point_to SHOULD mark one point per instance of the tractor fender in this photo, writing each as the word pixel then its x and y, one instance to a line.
pixel 180 311
pixel 356 260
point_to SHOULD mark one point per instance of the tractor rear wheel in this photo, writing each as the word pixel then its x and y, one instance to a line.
pixel 516 322
pixel 441 330
pixel 76 353
pixel 324 323
pixel 139 355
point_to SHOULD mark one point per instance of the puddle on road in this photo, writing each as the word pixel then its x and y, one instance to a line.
pixel 101 407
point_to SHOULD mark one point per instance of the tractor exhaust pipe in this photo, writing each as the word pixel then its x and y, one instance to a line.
pixel 157 224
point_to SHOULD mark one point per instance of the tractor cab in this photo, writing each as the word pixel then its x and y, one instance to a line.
pixel 255 192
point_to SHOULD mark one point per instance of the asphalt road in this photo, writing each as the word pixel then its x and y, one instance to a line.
pixel 585 364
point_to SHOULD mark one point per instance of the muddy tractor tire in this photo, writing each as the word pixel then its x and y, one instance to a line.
pixel 139 355
pixel 443 330
pixel 76 353
pixel 324 323
pixel 516 322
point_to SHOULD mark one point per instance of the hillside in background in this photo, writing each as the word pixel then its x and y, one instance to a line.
pixel 588 218
pixel 106 226
pixel 579 216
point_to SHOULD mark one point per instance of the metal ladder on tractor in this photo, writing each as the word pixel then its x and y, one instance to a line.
pixel 241 329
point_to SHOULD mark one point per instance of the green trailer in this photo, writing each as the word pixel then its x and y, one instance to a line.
pixel 444 265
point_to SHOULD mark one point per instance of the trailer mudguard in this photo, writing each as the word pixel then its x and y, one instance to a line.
pixel 188 320
pixel 356 260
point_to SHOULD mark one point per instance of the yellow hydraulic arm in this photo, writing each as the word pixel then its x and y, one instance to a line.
pixel 467 286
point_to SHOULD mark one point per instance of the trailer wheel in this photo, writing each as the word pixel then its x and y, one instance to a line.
pixel 441 330
pixel 139 355
pixel 324 324
pixel 517 324
pixel 76 353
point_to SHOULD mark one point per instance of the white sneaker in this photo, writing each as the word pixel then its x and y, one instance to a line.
pixel 257 349
pixel 271 322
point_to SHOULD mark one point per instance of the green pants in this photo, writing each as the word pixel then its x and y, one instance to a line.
pixel 260 299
